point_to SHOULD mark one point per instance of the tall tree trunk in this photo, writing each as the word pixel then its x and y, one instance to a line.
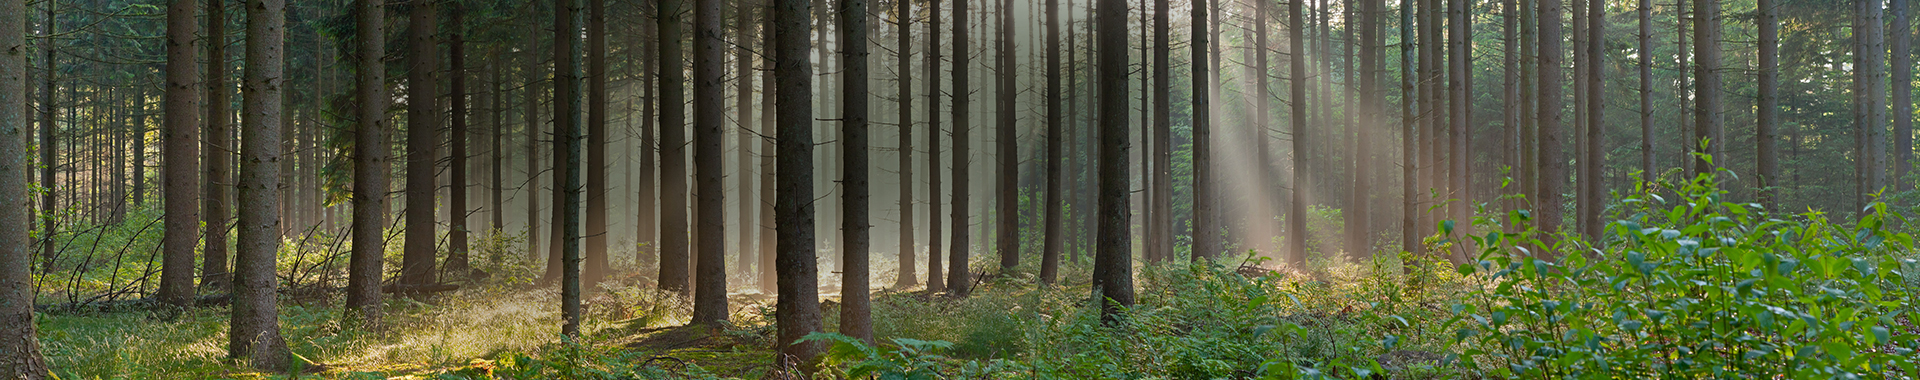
pixel 458 265
pixel 20 355
pixel 769 124
pixel 497 132
pixel 1766 117
pixel 1645 8
pixel 1370 104
pixel 1553 173
pixel 1206 222
pixel 182 189
pixel 959 282
pixel 648 227
pixel 1432 111
pixel 595 268
pixel 1006 151
pixel 673 152
pixel 797 311
pixel 567 151
pixel 1055 239
pixel 531 187
pixel 1297 92
pixel 1510 100
pixel 1460 83
pixel 1410 239
pixel 1902 46
pixel 423 124
pixel 217 146
pixel 255 333
pixel 1706 56
pixel 1113 273
pixel 936 280
pixel 50 77
pixel 372 165
pixel 903 18
pixel 1683 38
pixel 1593 165
pixel 856 303
pixel 709 134
pixel 1161 222
pixel 744 141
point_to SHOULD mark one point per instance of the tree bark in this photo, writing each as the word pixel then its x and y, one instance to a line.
pixel 567 151
pixel 1553 173
pixel 1006 148
pixel 1410 239
pixel 423 124
pixel 903 19
pixel 1647 168
pixel 182 189
pixel 769 124
pixel 1206 220
pixel 648 234
pixel 673 152
pixel 255 333
pixel 1593 165
pixel 1767 115
pixel 1706 56
pixel 856 304
pixel 217 146
pixel 1113 279
pixel 959 282
pixel 797 311
pixel 744 140
pixel 709 133
pixel 1055 240
pixel 531 187
pixel 1902 54
pixel 1370 104
pixel 595 268
pixel 372 163
pixel 936 280
pixel 1460 85
pixel 20 356
pixel 458 265
pixel 1162 149
pixel 1297 92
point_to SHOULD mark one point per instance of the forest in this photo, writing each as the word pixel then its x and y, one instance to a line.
pixel 919 189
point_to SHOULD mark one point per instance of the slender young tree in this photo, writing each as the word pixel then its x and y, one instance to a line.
pixel 372 164
pixel 49 47
pixel 217 145
pixel 797 311
pixel 648 225
pixel 458 265
pixel 1055 239
pixel 567 149
pixel 594 268
pixel 1510 108
pixel 20 356
pixel 709 133
pixel 903 19
pixel 1206 222
pixel 532 114
pixel 1645 37
pixel 743 143
pixel 1161 151
pixel 1410 179
pixel 180 156
pixel 1553 173
pixel 1593 165
pixel 497 129
pixel 1113 278
pixel 255 333
pixel 936 279
pixel 423 124
pixel 674 242
pixel 1766 117
pixel 769 192
pixel 959 282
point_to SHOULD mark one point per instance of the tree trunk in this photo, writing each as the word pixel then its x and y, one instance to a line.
pixel 20 355
pixel 1870 91
pixel 903 18
pixel 1553 173
pixel 1766 117
pixel 182 188
pixel 497 131
pixel 1902 54
pixel 567 150
pixel 1593 164
pixel 458 266
pixel 255 333
pixel 959 282
pixel 1206 220
pixel 1113 278
pixel 797 311
pixel 648 234
pixel 531 187
pixel 1050 253
pixel 372 165
pixel 1006 155
pixel 769 124
pixel 595 268
pixel 709 134
pixel 1410 239
pixel 1510 101
pixel 217 146
pixel 1370 104
pixel 744 140
pixel 1647 168
pixel 1706 56
pixel 673 151
pixel 936 280
pixel 1297 92
pixel 1161 222
pixel 1460 83
pixel 856 303
pixel 423 124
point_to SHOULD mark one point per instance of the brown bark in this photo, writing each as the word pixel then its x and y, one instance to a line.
pixel 797 311
pixel 673 152
pixel 1055 239
pixel 1870 89
pixel 856 302
pixel 1554 173
pixel 423 123
pixel 1006 146
pixel 958 281
pixel 1706 57
pixel 458 266
pixel 20 356
pixel 1113 278
pixel 1296 246
pixel 182 189
pixel 1593 163
pixel 709 133
pixel 255 333
pixel 372 165
pixel 1902 57
pixel 903 18
pixel 1645 40
pixel 567 150
pixel 936 280
pixel 1161 222
pixel 595 267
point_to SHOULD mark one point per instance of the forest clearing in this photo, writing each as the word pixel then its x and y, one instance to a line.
pixel 958 189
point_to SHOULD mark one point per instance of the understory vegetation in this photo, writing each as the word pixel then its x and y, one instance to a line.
pixel 1685 284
